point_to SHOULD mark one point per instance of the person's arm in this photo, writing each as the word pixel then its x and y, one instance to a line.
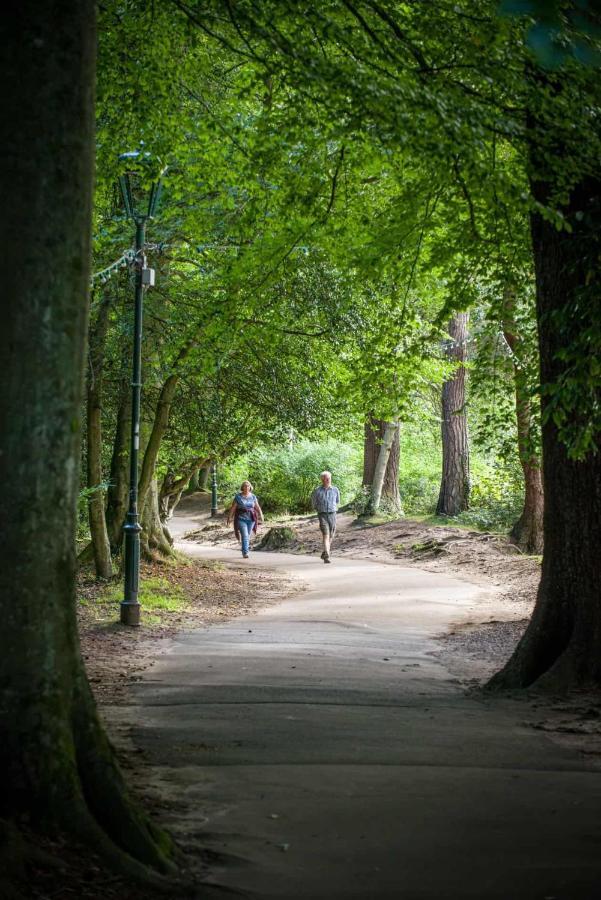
pixel 259 510
pixel 314 498
pixel 338 498
pixel 230 513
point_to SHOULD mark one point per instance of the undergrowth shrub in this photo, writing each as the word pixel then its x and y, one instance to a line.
pixel 283 478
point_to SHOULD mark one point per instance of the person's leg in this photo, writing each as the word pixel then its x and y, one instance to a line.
pixel 245 527
pixel 325 536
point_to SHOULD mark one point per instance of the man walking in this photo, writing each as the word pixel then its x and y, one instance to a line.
pixel 325 500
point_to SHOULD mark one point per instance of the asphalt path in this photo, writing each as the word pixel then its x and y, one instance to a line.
pixel 320 749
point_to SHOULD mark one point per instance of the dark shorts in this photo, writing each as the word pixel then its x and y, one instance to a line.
pixel 327 523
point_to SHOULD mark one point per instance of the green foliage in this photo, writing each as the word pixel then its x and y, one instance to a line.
pixel 284 477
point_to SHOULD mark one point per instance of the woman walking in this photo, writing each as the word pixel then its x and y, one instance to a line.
pixel 247 514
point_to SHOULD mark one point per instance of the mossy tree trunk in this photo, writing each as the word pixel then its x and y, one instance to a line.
pixel 203 477
pixel 56 765
pixel 562 644
pixel 155 537
pixel 455 483
pixel 98 530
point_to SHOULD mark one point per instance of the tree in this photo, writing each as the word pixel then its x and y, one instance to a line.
pixel 373 442
pixel 416 79
pixel 98 530
pixel 528 530
pixel 57 765
pixel 455 482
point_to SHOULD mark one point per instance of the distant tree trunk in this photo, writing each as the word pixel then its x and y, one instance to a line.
pixel 455 485
pixel 203 478
pixel 57 768
pixel 155 537
pixel 561 645
pixel 159 427
pixel 193 484
pixel 374 432
pixel 98 531
pixel 528 530
pixel 173 487
pixel 118 492
pixel 391 431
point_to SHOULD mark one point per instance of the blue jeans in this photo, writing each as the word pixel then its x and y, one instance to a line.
pixel 246 527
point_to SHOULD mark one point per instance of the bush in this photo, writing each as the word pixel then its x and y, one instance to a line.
pixel 284 477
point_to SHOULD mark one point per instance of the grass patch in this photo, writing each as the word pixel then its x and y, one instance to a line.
pixel 159 599
pixel 156 595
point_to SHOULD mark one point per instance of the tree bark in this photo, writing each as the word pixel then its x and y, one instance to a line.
pixel 391 431
pixel 98 530
pixel 203 478
pixel 56 765
pixel 159 427
pixel 561 646
pixel 155 536
pixel 455 484
pixel 528 530
pixel 118 492
pixel 374 432
pixel 172 487
pixel 193 484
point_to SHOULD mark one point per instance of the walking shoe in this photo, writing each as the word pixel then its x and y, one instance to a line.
pixel 245 556
pixel 326 559
pixel 323 554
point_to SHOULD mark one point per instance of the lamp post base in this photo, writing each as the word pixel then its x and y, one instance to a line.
pixel 130 613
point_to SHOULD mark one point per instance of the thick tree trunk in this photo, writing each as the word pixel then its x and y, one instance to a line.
pixel 455 484
pixel 391 431
pixel 98 530
pixel 374 432
pixel 118 492
pixel 56 765
pixel 562 644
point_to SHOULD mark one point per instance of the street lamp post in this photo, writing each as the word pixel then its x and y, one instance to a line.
pixel 214 510
pixel 144 277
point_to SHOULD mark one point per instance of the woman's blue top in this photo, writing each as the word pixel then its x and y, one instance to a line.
pixel 245 505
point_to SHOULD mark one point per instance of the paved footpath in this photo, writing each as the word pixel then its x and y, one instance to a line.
pixel 319 750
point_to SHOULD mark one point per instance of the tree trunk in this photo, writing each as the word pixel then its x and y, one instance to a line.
pixel 155 537
pixel 56 766
pixel 391 431
pixel 172 487
pixel 159 427
pixel 528 530
pixel 118 492
pixel 561 645
pixel 374 432
pixel 455 484
pixel 98 531
pixel 203 478
pixel 193 484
